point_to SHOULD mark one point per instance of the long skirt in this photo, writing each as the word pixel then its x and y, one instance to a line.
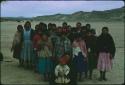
pixel 79 63
pixel 17 51
pixel 44 65
pixel 92 61
pixel 27 54
pixel 104 62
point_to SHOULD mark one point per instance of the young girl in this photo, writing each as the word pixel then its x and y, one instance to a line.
pixel 44 57
pixel 62 71
pixel 17 43
pixel 79 56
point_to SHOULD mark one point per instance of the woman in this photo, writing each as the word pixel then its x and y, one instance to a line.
pixel 79 55
pixel 106 52
pixel 17 43
pixel 44 57
pixel 27 51
pixel 91 41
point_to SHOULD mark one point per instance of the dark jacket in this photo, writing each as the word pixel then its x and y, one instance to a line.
pixel 105 43
pixel 91 42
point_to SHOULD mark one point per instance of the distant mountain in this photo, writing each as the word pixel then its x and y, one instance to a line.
pixel 14 18
pixel 107 15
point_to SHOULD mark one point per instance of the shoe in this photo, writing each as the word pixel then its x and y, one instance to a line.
pixel 105 79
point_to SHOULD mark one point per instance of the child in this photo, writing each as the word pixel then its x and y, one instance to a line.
pixel 44 57
pixel 79 56
pixel 17 43
pixel 62 71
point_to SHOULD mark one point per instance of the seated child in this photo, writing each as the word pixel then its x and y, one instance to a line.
pixel 62 71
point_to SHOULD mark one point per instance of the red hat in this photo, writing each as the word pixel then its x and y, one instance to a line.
pixel 62 60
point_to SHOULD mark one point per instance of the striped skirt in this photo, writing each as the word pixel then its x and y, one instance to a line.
pixel 104 62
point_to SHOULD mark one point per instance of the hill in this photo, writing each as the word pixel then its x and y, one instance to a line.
pixel 107 15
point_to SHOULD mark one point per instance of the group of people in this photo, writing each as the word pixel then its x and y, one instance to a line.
pixel 63 54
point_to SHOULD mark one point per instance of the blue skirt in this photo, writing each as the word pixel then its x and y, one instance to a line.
pixel 79 64
pixel 45 65
pixel 27 53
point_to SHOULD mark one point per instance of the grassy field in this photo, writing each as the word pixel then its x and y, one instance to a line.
pixel 11 74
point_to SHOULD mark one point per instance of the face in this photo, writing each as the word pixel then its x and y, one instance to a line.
pixel 64 25
pixel 88 26
pixel 28 25
pixel 89 34
pixel 105 31
pixel 20 29
pixel 78 25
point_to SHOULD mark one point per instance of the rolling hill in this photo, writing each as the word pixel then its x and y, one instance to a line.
pixel 107 15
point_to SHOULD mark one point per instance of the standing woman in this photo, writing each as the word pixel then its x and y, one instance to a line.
pixel 17 43
pixel 27 51
pixel 36 39
pixel 79 56
pixel 106 52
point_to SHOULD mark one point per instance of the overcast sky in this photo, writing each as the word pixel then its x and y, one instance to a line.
pixel 38 8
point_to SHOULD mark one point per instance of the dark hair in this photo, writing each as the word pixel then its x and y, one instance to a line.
pixel 37 28
pixel 106 28
pixel 49 24
pixel 88 25
pixel 27 22
pixel 79 23
pixel 54 25
pixel 19 27
pixel 43 26
pixel 64 23
pixel 93 31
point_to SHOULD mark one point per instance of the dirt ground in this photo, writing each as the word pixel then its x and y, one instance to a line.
pixel 12 74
